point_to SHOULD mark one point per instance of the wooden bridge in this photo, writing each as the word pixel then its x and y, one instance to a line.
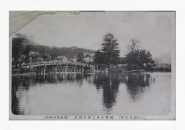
pixel 50 67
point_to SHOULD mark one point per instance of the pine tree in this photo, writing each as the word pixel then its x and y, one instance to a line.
pixel 110 49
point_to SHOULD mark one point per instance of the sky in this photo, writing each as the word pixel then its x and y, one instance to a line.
pixel 155 31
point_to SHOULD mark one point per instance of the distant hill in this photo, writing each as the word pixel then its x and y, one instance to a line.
pixel 33 43
pixel 69 52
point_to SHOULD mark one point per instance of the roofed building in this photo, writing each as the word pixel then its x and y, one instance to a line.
pixel 61 58
pixel 88 59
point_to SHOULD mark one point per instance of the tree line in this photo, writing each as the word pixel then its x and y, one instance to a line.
pixel 135 59
pixel 108 54
pixel 22 48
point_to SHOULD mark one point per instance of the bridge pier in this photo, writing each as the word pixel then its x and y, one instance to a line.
pixel 37 71
pixel 56 69
pixel 71 69
pixel 59 69
pixel 53 68
pixel 44 69
pixel 40 70
pixel 49 69
pixel 75 69
pixel 65 69
pixel 62 69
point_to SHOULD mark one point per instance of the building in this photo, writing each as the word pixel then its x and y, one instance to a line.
pixel 162 67
pixel 40 59
pixel 122 60
pixel 88 59
pixel 61 58
pixel 73 60
pixel 33 54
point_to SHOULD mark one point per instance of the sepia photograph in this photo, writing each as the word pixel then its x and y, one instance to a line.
pixel 92 65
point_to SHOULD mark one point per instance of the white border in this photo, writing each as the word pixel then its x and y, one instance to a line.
pixel 170 116
pixel 92 5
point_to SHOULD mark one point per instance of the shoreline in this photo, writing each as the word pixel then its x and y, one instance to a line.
pixel 34 73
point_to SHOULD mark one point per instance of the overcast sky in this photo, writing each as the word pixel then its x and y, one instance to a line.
pixel 154 30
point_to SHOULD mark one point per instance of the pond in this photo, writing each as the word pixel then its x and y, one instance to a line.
pixel 92 94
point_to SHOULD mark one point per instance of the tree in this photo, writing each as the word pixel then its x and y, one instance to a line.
pixel 157 61
pixel 139 59
pixel 99 57
pixel 109 50
pixel 132 47
pixel 19 47
pixel 26 53
pixel 80 57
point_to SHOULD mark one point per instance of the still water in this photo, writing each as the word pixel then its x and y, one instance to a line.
pixel 92 94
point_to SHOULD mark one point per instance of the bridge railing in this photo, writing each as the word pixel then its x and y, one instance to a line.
pixel 58 63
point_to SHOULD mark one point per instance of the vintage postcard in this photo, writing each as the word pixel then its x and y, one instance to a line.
pixel 92 65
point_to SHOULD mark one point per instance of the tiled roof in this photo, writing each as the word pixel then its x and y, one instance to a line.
pixel 60 57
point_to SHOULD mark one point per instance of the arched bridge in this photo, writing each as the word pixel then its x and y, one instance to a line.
pixel 60 67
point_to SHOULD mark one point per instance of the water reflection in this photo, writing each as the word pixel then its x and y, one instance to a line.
pixel 57 78
pixel 106 85
pixel 110 85
pixel 137 84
